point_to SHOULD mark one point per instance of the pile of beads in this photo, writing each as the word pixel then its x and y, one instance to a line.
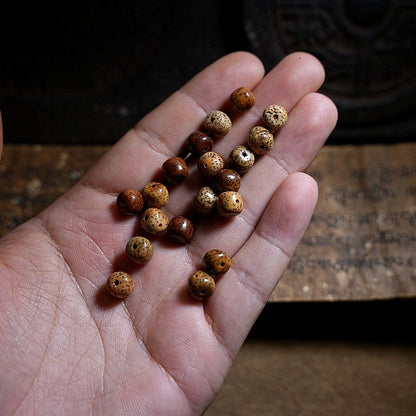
pixel 220 194
pixel 201 283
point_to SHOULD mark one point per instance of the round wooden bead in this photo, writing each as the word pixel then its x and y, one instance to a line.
pixel 274 117
pixel 199 143
pixel 120 284
pixel 154 221
pixel 260 140
pixel 241 159
pixel 139 249
pixel 201 285
pixel 156 194
pixel 205 200
pixel 229 204
pixel 216 262
pixel 175 169
pixel 180 229
pixel 242 99
pixel 217 123
pixel 210 163
pixel 130 201
pixel 227 180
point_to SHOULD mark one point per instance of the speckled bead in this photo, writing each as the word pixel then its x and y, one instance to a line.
pixel 180 229
pixel 229 204
pixel 209 164
pixel 274 117
pixel 242 99
pixel 156 194
pixel 260 140
pixel 120 284
pixel 154 221
pixel 241 159
pixel 199 143
pixel 227 180
pixel 216 262
pixel 217 124
pixel 201 285
pixel 139 249
pixel 130 201
pixel 175 170
pixel 205 200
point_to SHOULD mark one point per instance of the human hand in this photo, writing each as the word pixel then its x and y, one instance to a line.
pixel 68 347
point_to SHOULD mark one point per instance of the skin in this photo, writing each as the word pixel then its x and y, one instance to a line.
pixel 69 348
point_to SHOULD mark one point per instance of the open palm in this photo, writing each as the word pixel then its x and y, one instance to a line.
pixel 67 347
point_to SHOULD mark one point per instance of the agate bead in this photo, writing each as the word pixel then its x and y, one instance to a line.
pixel 274 117
pixel 201 285
pixel 130 201
pixel 242 99
pixel 205 200
pixel 154 221
pixel 139 249
pixel 156 194
pixel 227 180
pixel 210 163
pixel 180 229
pixel 199 143
pixel 217 124
pixel 216 262
pixel 260 140
pixel 241 159
pixel 175 170
pixel 229 204
pixel 120 284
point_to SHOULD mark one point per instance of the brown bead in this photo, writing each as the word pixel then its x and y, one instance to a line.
pixel 139 249
pixel 210 163
pixel 242 99
pixel 217 262
pixel 199 143
pixel 227 180
pixel 175 169
pixel 241 159
pixel 120 284
pixel 156 194
pixel 260 140
pixel 130 201
pixel 180 229
pixel 201 285
pixel 154 221
pixel 217 124
pixel 229 204
pixel 274 117
pixel 205 200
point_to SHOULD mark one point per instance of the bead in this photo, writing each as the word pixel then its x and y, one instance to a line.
pixel 241 159
pixel 242 99
pixel 199 143
pixel 139 249
pixel 130 201
pixel 154 221
pixel 120 284
pixel 175 170
pixel 156 194
pixel 180 229
pixel 274 117
pixel 227 180
pixel 217 262
pixel 217 124
pixel 205 200
pixel 210 163
pixel 260 140
pixel 229 204
pixel 201 285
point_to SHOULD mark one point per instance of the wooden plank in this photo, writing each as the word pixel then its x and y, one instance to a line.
pixel 361 241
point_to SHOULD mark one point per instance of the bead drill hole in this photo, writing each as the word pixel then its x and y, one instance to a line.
pixel 116 282
pixel 135 246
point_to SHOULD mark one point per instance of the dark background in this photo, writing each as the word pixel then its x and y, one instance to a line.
pixel 84 74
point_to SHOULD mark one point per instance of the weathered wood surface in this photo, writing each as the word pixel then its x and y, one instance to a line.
pixel 360 244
